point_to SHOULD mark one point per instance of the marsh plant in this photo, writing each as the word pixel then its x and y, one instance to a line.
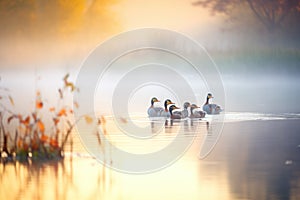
pixel 34 136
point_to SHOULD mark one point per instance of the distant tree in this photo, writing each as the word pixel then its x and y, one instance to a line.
pixel 271 13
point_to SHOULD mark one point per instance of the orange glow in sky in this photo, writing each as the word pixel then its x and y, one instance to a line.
pixel 171 14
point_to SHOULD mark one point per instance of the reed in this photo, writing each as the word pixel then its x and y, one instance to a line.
pixel 25 136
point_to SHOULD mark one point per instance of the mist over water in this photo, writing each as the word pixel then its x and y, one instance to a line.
pixel 249 92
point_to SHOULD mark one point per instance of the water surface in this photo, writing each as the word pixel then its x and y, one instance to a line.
pixel 257 157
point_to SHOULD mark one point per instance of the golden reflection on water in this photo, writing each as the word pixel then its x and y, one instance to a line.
pixel 234 170
pixel 67 179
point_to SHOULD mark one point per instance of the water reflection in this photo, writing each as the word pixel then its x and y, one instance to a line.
pixel 255 156
pixel 249 162
pixel 186 126
pixel 65 179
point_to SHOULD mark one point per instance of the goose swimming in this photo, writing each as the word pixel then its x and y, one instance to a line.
pixel 152 110
pixel 211 109
pixel 164 112
pixel 159 111
pixel 174 115
pixel 196 113
pixel 184 113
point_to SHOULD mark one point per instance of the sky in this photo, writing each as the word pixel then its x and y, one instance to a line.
pixel 172 14
pixel 56 36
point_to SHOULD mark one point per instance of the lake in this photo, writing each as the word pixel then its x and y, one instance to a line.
pixel 257 156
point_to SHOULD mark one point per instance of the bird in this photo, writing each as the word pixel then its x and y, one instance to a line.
pixel 211 108
pixel 184 113
pixel 159 111
pixel 174 115
pixel 152 110
pixel 196 113
pixel 164 112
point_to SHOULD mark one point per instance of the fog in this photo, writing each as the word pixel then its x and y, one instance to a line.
pixel 259 70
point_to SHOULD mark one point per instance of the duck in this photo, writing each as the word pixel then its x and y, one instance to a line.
pixel 174 115
pixel 196 113
pixel 211 109
pixel 184 113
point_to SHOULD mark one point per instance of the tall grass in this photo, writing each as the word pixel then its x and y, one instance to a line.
pixel 26 136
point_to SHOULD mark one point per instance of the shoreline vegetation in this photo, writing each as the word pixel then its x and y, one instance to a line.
pixel 33 137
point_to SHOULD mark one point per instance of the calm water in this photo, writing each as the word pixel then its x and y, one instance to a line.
pixel 256 157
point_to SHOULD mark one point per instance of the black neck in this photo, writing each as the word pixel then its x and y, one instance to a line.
pixel 207 100
pixel 171 112
pixel 192 110
pixel 166 106
pixel 152 103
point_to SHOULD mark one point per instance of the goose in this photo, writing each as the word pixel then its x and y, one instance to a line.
pixel 184 113
pixel 159 111
pixel 164 112
pixel 174 115
pixel 152 110
pixel 211 108
pixel 196 113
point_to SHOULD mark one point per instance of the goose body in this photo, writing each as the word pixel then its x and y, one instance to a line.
pixel 196 113
pixel 159 111
pixel 165 112
pixel 184 113
pixel 174 115
pixel 211 109
pixel 152 110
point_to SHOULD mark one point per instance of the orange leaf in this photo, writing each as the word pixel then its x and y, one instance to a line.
pixel 41 126
pixel 26 121
pixel 88 119
pixel 55 120
pixel 39 104
pixel 52 109
pixel 11 100
pixel 34 144
pixel 20 143
pixel 62 112
pixel 44 138
pixel 53 142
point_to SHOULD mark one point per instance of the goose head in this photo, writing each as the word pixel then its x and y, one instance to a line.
pixel 153 100
pixel 194 106
pixel 186 105
pixel 168 102
pixel 171 108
